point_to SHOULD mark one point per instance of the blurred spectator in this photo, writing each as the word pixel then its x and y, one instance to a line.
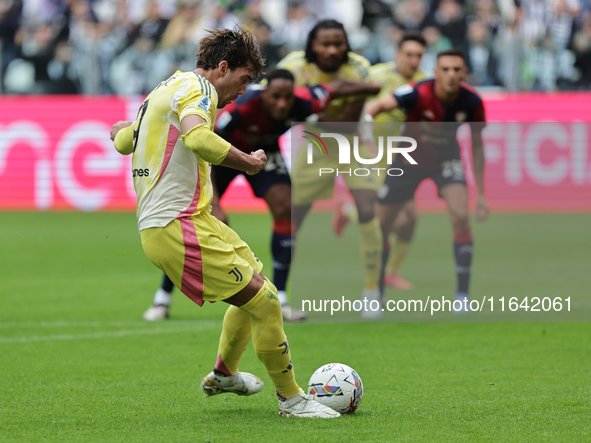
pixel 514 70
pixel 410 15
pixel 300 21
pixel 10 18
pixel 435 43
pixel 63 76
pixel 561 19
pixel 377 15
pixel 481 60
pixel 153 25
pixel 37 47
pixel 582 50
pixel 94 44
pixel 532 23
pixel 127 46
pixel 262 32
pixel 184 27
pixel 450 19
pixel 485 12
pixel 131 71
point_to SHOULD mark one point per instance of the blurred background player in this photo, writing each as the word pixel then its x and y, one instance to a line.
pixel 443 99
pixel 254 121
pixel 327 57
pixel 174 148
pixel 390 77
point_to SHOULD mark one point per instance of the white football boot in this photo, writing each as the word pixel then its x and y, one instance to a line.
pixel 465 300
pixel 241 383
pixel 302 406
pixel 368 296
pixel 156 313
pixel 292 315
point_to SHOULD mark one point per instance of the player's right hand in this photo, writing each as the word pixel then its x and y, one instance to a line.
pixel 260 160
pixel 118 127
pixel 482 209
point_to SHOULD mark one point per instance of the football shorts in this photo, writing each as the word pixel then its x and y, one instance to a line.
pixel 204 258
pixel 399 189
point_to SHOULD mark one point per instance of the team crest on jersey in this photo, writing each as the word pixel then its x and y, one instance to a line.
pixel 403 90
pixel 461 116
pixel 204 104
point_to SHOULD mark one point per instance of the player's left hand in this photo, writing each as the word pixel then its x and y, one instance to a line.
pixel 482 209
pixel 118 127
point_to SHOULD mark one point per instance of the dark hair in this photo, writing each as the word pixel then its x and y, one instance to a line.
pixel 451 52
pixel 324 24
pixel 236 46
pixel 413 37
pixel 279 73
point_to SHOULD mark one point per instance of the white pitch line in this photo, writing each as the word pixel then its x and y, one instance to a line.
pixel 110 334
pixel 85 324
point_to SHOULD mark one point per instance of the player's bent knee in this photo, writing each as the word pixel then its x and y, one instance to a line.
pixel 282 212
pixel 366 213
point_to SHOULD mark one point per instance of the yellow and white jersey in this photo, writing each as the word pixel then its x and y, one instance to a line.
pixel 309 74
pixel 389 79
pixel 170 180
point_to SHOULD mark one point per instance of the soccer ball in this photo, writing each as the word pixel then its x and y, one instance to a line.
pixel 337 386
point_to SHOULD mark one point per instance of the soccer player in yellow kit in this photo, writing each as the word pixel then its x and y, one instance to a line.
pixel 173 145
pixel 328 57
pixel 391 76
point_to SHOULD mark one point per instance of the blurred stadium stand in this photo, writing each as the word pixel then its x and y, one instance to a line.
pixel 126 47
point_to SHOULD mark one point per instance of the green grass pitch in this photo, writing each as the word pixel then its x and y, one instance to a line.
pixel 77 363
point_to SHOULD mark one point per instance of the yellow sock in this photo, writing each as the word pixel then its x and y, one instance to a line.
pixel 371 252
pixel 235 337
pixel 398 252
pixel 269 340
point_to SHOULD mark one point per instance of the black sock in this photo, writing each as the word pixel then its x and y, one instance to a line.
pixel 281 250
pixel 463 256
pixel 167 284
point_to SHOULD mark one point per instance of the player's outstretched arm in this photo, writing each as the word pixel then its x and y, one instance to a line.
pixel 482 209
pixel 353 87
pixel 383 104
pixel 122 136
pixel 209 146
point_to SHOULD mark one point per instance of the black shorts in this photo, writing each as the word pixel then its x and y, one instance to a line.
pixel 275 172
pixel 402 188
